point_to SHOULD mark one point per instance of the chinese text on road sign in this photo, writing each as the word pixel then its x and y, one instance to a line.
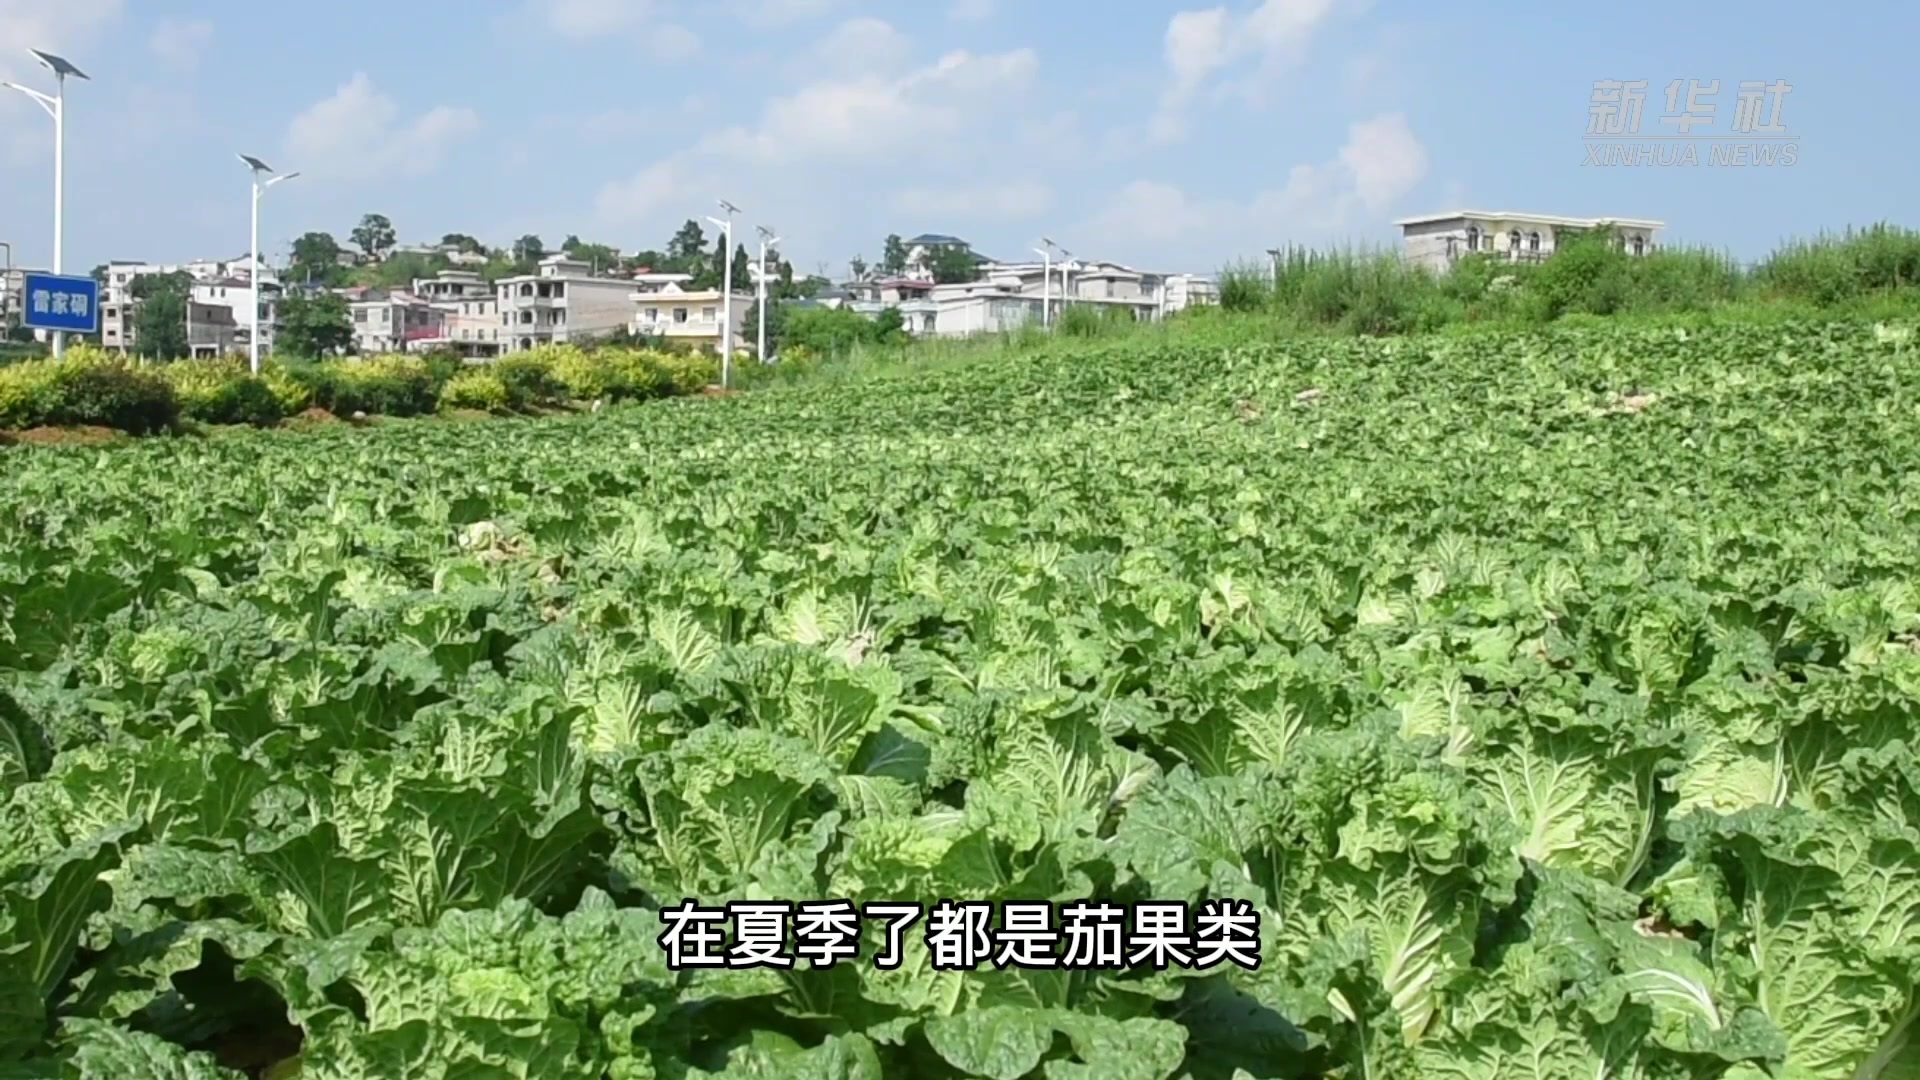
pixel 54 302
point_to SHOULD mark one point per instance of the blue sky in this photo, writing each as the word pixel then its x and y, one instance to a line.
pixel 1169 137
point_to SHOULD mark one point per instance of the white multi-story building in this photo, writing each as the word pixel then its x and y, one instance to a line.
pixel 561 302
pixel 691 315
pixel 216 282
pixel 470 313
pixel 1437 241
pixel 393 320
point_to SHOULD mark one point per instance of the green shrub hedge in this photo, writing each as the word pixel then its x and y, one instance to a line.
pixel 87 386
pixel 95 387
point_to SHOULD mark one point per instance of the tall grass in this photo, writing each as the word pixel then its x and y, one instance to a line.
pixel 1377 291
pixel 1832 269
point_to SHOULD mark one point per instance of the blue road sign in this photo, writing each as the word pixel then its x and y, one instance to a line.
pixel 54 302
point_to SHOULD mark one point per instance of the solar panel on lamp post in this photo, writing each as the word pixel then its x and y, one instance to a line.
pixel 56 107
pixel 260 169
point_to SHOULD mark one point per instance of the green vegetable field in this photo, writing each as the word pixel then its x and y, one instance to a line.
pixel 1497 706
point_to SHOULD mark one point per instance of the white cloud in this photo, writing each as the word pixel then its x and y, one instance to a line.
pixel 861 46
pixel 1381 162
pixel 784 12
pixel 671 41
pixel 587 20
pixel 640 20
pixel 179 44
pixel 1385 159
pixel 1012 200
pixel 861 119
pixel 358 134
pixel 592 18
pixel 871 118
pixel 1201 44
pixel 970 10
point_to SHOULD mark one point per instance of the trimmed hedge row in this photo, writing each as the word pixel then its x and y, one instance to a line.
pixel 91 386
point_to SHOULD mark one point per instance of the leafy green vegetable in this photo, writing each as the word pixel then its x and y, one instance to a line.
pixel 1549 699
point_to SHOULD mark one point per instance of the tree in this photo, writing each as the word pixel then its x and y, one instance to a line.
pixel 827 331
pixel 649 260
pixel 859 267
pixel 313 325
pixel 742 268
pixel 893 255
pixel 603 257
pixel 160 324
pixel 316 257
pixel 953 264
pixel 686 247
pixel 374 235
pixel 464 243
pixel 100 275
pixel 776 326
pixel 890 326
pixel 786 289
pixel 402 270
pixel 527 252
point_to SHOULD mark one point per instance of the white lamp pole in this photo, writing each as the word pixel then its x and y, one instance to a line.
pixel 1046 282
pixel 1066 286
pixel 260 170
pixel 766 238
pixel 56 107
pixel 726 293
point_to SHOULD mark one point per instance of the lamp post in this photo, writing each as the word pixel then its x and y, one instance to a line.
pixel 260 169
pixel 726 293
pixel 56 107
pixel 1046 281
pixel 767 239
pixel 1066 287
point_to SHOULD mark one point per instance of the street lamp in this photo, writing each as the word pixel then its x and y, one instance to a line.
pixel 1066 287
pixel 767 239
pixel 260 169
pixel 56 107
pixel 726 293
pixel 1046 281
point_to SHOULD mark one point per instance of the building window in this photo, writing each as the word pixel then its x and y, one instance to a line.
pixel 559 290
pixel 526 343
pixel 526 290
pixel 1639 245
pixel 706 314
pixel 1513 241
pixel 526 318
pixel 360 316
pixel 1533 242
pixel 653 314
pixel 679 314
pixel 1473 238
